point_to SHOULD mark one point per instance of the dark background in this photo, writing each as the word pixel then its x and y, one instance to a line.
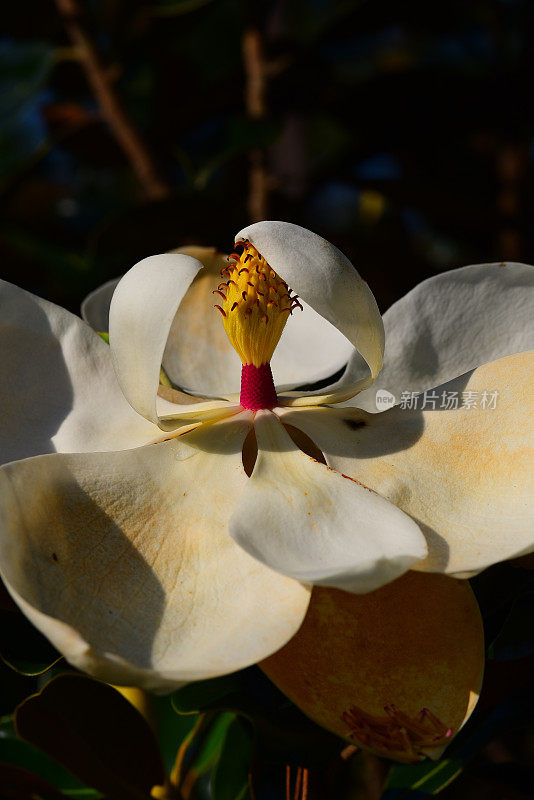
pixel 402 132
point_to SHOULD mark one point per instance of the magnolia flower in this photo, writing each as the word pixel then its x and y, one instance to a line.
pixel 193 553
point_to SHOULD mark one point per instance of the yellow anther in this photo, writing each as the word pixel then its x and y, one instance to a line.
pixel 255 306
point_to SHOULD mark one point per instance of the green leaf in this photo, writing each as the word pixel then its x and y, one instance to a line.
pixel 105 336
pixel 212 742
pixel 201 751
pixel 427 778
pixel 230 779
pixel 95 733
pixel 206 695
pixel 22 754
pixel 282 732
pixel 22 647
pixel 171 728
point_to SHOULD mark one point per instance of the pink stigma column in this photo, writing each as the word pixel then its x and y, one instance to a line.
pixel 257 388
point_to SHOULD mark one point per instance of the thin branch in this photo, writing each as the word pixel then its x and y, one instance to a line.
pixel 256 72
pixel 129 139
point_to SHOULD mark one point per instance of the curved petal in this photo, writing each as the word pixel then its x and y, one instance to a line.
pixel 198 355
pixel 397 671
pixel 316 525
pixel 142 309
pixel 58 389
pixel 124 561
pixel 95 307
pixel 310 349
pixel 465 475
pixel 320 274
pixel 449 324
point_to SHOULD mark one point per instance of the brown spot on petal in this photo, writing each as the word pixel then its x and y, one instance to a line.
pixel 354 424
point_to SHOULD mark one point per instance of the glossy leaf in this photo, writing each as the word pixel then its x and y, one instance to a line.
pixel 171 728
pixel 93 731
pixel 423 779
pixel 281 732
pixel 212 741
pixel 206 695
pixel 201 750
pixel 230 780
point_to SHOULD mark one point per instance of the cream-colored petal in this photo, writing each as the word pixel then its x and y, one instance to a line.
pixel 197 413
pixel 466 476
pixel 320 274
pixel 142 309
pixel 310 349
pixel 307 521
pixel 95 307
pixel 198 354
pixel 58 389
pixel 124 560
pixel 449 324
pixel 397 671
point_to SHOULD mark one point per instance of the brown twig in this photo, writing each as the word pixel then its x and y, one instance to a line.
pixel 133 146
pixel 256 72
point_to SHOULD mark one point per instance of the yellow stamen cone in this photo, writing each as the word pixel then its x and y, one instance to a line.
pixel 255 306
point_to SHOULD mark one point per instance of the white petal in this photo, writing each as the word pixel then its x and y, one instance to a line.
pixel 320 274
pixel 198 355
pixel 466 476
pixel 124 561
pixel 310 349
pixel 58 389
pixel 141 313
pixel 449 324
pixel 95 307
pixel 314 524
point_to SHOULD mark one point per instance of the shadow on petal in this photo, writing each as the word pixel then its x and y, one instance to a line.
pixel 37 393
pixel 76 565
